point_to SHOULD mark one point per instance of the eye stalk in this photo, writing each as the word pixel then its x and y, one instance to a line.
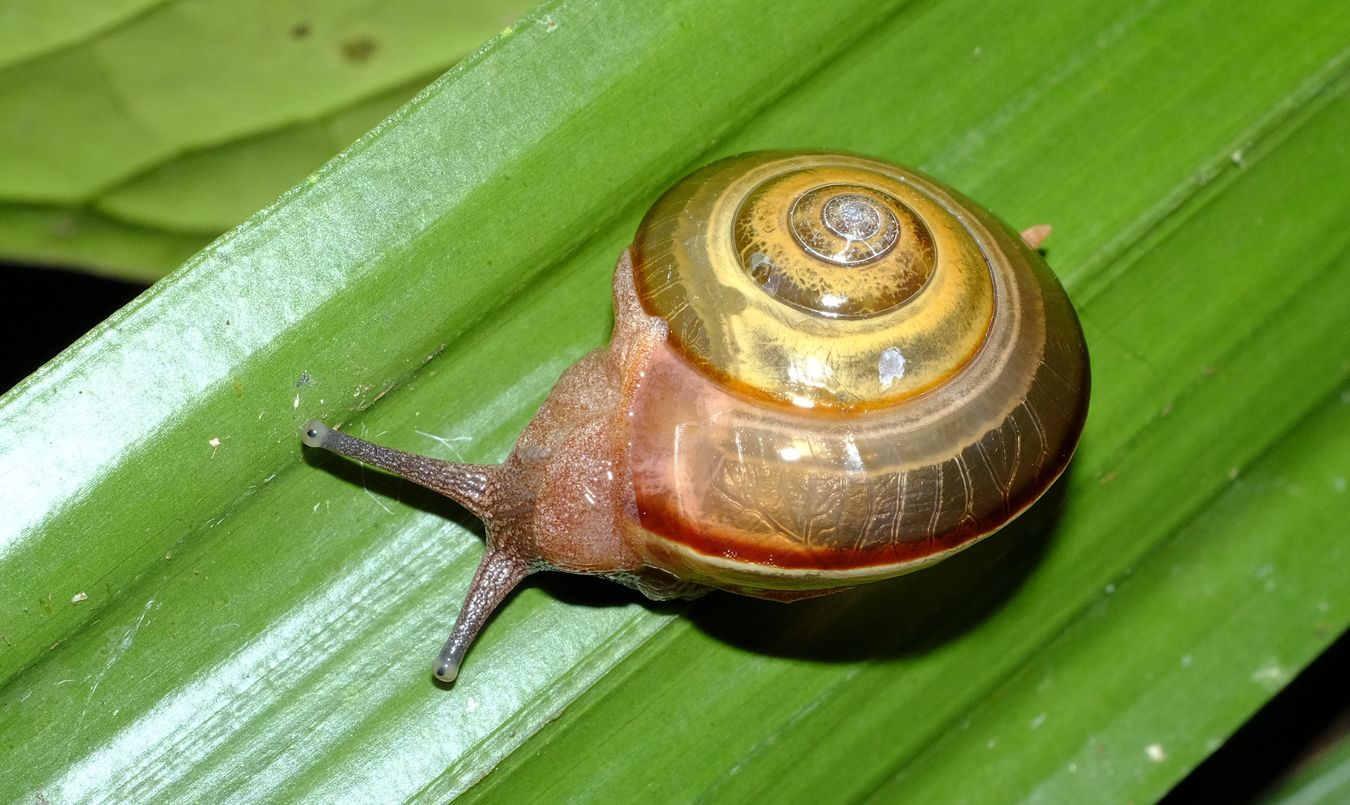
pixel 497 575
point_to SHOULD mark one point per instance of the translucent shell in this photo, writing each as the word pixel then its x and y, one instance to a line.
pixel 864 372
pixel 817 280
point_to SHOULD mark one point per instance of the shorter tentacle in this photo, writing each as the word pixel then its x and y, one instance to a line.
pixel 497 575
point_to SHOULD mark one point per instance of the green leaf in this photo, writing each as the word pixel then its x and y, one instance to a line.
pixel 56 236
pixel 33 27
pixel 211 190
pixel 159 125
pixel 252 621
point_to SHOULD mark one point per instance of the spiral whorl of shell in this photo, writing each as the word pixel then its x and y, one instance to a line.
pixel 841 283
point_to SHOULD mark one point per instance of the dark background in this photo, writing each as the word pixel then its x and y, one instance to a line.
pixel 48 309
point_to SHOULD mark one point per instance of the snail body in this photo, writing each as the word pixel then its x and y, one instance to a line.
pixel 826 370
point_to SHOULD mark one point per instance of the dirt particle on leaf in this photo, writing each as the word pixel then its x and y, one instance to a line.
pixel 64 226
pixel 1271 676
pixel 300 30
pixel 359 50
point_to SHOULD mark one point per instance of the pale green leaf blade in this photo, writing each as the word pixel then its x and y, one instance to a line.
pixel 29 28
pixel 61 237
pixel 210 190
pixel 176 120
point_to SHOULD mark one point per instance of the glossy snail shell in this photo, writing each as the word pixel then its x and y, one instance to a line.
pixel 825 370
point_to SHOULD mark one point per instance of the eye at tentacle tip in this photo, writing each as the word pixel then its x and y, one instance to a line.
pixel 315 434
pixel 445 670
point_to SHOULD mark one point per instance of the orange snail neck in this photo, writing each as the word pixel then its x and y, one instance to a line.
pixel 559 499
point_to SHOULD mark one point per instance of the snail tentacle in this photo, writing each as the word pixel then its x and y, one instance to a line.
pixel 497 575
pixel 466 484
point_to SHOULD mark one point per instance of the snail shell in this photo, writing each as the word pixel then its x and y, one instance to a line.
pixel 825 370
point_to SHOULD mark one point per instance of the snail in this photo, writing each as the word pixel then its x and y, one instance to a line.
pixel 825 370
